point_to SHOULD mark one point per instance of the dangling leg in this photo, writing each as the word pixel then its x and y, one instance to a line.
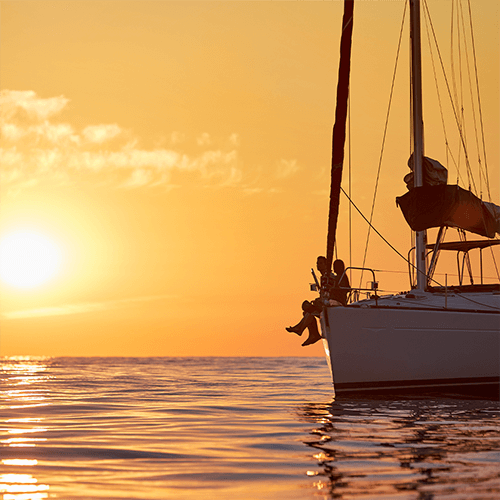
pixel 314 335
pixel 301 325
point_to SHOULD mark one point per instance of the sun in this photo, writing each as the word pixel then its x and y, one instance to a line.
pixel 28 259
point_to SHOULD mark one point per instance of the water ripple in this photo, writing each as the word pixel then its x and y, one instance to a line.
pixel 231 428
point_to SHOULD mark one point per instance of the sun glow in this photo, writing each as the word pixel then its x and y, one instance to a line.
pixel 28 259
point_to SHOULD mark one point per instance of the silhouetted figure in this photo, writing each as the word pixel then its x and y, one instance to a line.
pixel 341 287
pixel 330 294
pixel 309 321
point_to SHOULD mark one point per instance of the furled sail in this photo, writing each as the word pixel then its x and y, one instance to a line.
pixel 438 204
pixel 339 127
pixel 433 172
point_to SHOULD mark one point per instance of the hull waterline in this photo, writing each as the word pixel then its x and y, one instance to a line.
pixel 382 349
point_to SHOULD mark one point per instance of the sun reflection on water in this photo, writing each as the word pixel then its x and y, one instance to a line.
pixel 18 486
pixel 26 372
pixel 19 461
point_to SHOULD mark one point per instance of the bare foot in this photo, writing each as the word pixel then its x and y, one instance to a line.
pixel 311 340
pixel 291 330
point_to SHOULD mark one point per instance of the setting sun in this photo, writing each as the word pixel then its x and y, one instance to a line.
pixel 28 259
pixel 166 166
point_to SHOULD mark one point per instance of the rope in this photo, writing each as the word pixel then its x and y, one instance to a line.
pixel 405 259
pixel 479 100
pixel 446 142
pixel 350 183
pixel 384 239
pixel 473 108
pixel 459 94
pixel 453 72
pixel 467 163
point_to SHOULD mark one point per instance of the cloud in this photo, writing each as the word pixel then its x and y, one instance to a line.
pixel 55 133
pixel 138 178
pixel 11 131
pixel 37 148
pixel 234 139
pixel 177 138
pixel 81 308
pixel 286 168
pixel 101 133
pixel 39 132
pixel 25 103
pixel 204 140
pixel 9 158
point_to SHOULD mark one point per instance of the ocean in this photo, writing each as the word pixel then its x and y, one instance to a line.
pixel 232 428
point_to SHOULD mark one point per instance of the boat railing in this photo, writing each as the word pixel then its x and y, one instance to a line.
pixel 355 293
pixel 463 251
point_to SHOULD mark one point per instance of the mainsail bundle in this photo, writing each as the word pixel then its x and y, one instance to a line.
pixel 437 204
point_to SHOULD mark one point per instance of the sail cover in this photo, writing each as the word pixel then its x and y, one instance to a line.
pixel 433 172
pixel 449 205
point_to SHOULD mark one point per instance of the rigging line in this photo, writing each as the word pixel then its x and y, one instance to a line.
pixel 446 142
pixel 457 99
pixel 383 139
pixel 350 182
pixel 458 94
pixel 467 259
pixel 475 301
pixel 494 262
pixel 452 52
pixel 473 109
pixel 479 99
pixel 406 260
pixel 449 94
pixel 460 71
pixel 456 162
pixel 460 74
pixel 385 241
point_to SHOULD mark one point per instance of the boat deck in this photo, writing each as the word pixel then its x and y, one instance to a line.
pixel 436 299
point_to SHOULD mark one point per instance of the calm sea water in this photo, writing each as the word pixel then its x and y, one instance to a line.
pixel 231 428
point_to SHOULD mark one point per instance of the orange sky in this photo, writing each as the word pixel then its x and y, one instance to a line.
pixel 178 154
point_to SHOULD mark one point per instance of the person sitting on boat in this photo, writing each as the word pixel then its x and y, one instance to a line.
pixel 330 294
pixel 341 286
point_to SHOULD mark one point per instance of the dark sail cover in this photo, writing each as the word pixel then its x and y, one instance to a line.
pixel 447 205
pixel 434 172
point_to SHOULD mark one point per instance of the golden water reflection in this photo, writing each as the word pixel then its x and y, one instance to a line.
pixel 16 486
pixel 21 432
pixel 396 447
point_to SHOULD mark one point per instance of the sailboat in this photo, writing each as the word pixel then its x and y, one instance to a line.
pixel 434 337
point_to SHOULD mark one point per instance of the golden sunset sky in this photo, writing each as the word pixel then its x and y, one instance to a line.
pixel 177 155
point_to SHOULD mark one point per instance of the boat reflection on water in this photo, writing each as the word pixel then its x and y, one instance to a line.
pixel 384 447
pixel 21 428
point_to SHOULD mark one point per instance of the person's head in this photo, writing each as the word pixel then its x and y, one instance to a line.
pixel 321 264
pixel 338 266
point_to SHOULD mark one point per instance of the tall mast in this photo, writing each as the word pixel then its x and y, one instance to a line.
pixel 418 132
pixel 338 139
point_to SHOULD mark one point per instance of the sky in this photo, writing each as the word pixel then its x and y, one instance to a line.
pixel 176 155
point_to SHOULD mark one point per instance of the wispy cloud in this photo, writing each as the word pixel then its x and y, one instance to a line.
pixel 81 308
pixel 101 133
pixel 204 140
pixel 36 147
pixel 26 104
pixel 286 168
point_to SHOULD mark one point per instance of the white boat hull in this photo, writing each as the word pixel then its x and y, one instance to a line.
pixel 382 348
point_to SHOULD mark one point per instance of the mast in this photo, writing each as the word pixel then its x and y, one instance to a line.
pixel 418 132
pixel 338 136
